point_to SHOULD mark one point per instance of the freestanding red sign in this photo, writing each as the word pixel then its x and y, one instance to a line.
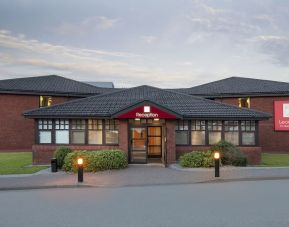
pixel 281 115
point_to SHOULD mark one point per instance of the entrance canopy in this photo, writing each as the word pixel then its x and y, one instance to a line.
pixel 146 110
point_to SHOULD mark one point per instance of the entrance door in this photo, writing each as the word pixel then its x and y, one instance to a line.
pixel 154 142
pixel 138 151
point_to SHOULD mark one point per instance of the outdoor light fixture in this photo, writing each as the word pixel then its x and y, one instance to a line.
pixel 156 119
pixel 80 169
pixel 137 119
pixel 217 163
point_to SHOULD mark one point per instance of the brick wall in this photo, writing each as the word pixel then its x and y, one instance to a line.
pixel 269 139
pixel 253 154
pixel 16 132
pixel 170 143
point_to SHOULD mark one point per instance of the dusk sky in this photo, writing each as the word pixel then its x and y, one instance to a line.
pixel 163 43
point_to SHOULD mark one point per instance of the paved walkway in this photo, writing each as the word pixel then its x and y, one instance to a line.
pixel 140 175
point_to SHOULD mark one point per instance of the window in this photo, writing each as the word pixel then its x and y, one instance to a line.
pixel 78 131
pixel 95 131
pixel 248 129
pixel 215 131
pixel 182 133
pixel 45 131
pixel 62 131
pixel 111 131
pixel 198 134
pixel 232 132
pixel 244 102
pixel 45 101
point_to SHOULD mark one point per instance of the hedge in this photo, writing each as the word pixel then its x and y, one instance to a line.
pixel 197 159
pixel 94 161
pixel 60 155
pixel 230 154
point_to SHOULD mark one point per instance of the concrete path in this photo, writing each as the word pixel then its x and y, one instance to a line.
pixel 140 175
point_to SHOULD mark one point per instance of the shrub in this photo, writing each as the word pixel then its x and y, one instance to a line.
pixel 60 155
pixel 94 161
pixel 230 154
pixel 197 159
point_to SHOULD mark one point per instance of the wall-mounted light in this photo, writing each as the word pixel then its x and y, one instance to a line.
pixel 137 119
pixel 156 119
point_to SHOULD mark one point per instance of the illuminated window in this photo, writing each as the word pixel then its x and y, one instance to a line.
pixel 147 109
pixel 45 101
pixel 95 131
pixel 244 102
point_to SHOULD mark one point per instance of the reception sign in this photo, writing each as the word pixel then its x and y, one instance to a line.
pixel 147 112
pixel 281 114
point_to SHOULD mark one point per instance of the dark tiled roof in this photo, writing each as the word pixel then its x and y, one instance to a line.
pixel 100 84
pixel 234 86
pixel 51 84
pixel 107 105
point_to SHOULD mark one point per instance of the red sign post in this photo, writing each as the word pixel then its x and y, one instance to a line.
pixel 281 115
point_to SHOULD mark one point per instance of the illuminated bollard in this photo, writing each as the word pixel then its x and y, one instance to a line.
pixel 217 164
pixel 80 169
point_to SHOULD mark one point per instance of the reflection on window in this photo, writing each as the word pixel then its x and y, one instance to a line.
pixel 111 131
pixel 232 132
pixel 198 135
pixel 248 129
pixel 244 102
pixel 78 131
pixel 95 131
pixel 182 132
pixel 45 101
pixel 215 131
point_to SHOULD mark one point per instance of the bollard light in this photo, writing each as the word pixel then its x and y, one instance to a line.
pixel 80 169
pixel 217 163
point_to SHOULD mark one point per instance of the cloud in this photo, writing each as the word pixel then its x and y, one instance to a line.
pixel 275 46
pixel 86 26
pixel 29 55
pixel 148 39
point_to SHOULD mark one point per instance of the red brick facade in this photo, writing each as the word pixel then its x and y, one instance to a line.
pixel 16 132
pixel 269 139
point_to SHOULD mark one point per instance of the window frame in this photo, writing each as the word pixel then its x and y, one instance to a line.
pixel 51 130
pixel 55 130
pixel 181 129
pixel 71 130
pixel 95 130
pixel 256 133
pixel 194 129
pixel 115 127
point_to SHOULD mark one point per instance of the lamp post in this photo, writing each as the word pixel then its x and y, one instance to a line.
pixel 80 169
pixel 217 163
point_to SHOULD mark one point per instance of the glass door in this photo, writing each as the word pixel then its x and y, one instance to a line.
pixel 138 147
pixel 154 142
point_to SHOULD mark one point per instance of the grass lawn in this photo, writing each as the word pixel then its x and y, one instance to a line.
pixel 275 159
pixel 16 163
